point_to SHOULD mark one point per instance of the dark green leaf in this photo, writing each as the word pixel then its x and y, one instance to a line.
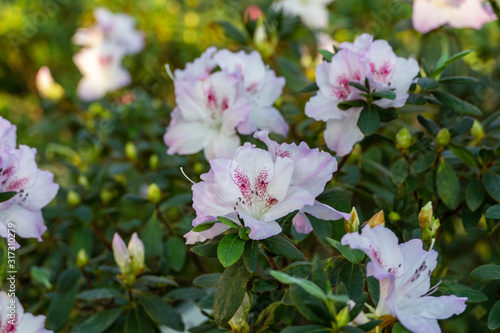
pixel 387 94
pixel 415 99
pixel 351 104
pixel 209 249
pixel 427 83
pixel 139 322
pixel 160 311
pixel 369 120
pixel 97 294
pixel 230 249
pixel 228 222
pixel 399 172
pixel 462 126
pixel 233 32
pixel 474 195
pixel 473 296
pixel 463 154
pixel 443 62
pixel 491 182
pixel 456 103
pixel 353 255
pixel 155 280
pixel 250 255
pixel 282 246
pixel 319 276
pixel 398 328
pixel 352 329
pixel 203 226
pixel 186 294
pixel 230 292
pixel 359 304
pixel 4 196
pixel 459 80
pixel 360 87
pixel 447 184
pixel 207 280
pixel 60 308
pixel 326 54
pixel 486 272
pixel 494 316
pixel 429 125
pixel 493 212
pixel 309 286
pixel 307 329
pixel 175 253
pixel 67 279
pixel 98 323
pixel 309 88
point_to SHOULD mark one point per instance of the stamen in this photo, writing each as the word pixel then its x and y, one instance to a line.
pixel 182 170
pixel 169 72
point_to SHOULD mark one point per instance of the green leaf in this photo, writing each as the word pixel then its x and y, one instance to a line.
pixel 160 311
pixel 307 285
pixel 463 154
pixel 139 322
pixel 428 124
pixel 230 249
pixel 155 280
pixel 203 226
pixel 399 328
pixel 493 212
pixel 456 103
pixel 175 253
pixel 4 196
pixel 309 88
pixel 443 62
pixel 353 278
pixel 98 323
pixel 228 222
pixel 370 325
pixel 98 294
pixel 459 80
pixel 494 316
pixel 369 120
pixel 233 32
pixel 447 184
pixel 491 182
pixel 427 83
pixel 359 304
pixel 462 126
pixel 473 296
pixel 207 280
pixel 387 94
pixel 282 246
pixel 474 195
pixel 209 249
pixel 326 54
pixel 60 307
pixel 152 238
pixel 353 255
pixel 41 275
pixel 250 254
pixel 359 86
pixel 416 99
pixel 351 104
pixel 230 292
pixel 352 329
pixel 307 329
pixel 399 172
pixel 486 272
pixel 67 279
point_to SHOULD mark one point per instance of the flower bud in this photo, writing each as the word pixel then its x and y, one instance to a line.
pixel 154 194
pixel 81 258
pixel 131 151
pixel 477 131
pixel 403 139
pixel 394 216
pixel 343 317
pixel 82 180
pixel 154 160
pixel 443 137
pixel 252 13
pixel 106 196
pixel 121 254
pixel 238 321
pixel 47 87
pixel 352 225
pixel 73 199
pixel 428 223
pixel 377 219
pixel 136 252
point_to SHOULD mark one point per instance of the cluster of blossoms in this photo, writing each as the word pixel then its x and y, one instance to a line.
pixel 363 60
pixel 212 108
pixel 34 188
pixel 107 42
pixel 403 271
pixel 256 187
pixel 431 14
pixel 14 320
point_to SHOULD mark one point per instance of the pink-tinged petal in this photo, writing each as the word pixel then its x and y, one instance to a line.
pixel 121 254
pixel 32 324
pixel 346 66
pixel 236 114
pixel 360 45
pixel 283 171
pixel 387 297
pixel 187 138
pixel 28 224
pixel 325 212
pixel 323 77
pixel 381 60
pixel 342 134
pixel 296 199
pixel 259 229
pixel 42 192
pixel 250 67
pixel 200 68
pixel 194 237
pixel 19 169
pixel 427 16
pixel 322 108
pixel 471 14
pixel 5 314
pixel 8 134
pixel 222 145
pixel 380 245
pixel 301 223
pixel 420 315
pixel 269 89
pixel 419 265
pixel 272 146
pixel 264 118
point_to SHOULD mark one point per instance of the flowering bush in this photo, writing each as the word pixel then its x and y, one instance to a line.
pixel 275 166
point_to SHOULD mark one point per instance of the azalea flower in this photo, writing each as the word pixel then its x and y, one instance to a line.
pixel 13 319
pixel 313 13
pixel 312 170
pixel 404 273
pixel 200 68
pixel 431 14
pixel 362 60
pixel 35 188
pixel 207 114
pixel 251 186
pixel 102 71
pixel 262 88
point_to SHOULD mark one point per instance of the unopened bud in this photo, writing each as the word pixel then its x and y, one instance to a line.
pixel 343 317
pixel 394 216
pixel 428 223
pixel 81 258
pixel 238 321
pixel 131 151
pixel 352 225
pixel 73 199
pixel 377 219
pixel 47 87
pixel 82 180
pixel 477 131
pixel 106 195
pixel 154 194
pixel 425 215
pixel 136 252
pixel 121 254
pixel 154 160
pixel 403 139
pixel 443 137
pixel 252 13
